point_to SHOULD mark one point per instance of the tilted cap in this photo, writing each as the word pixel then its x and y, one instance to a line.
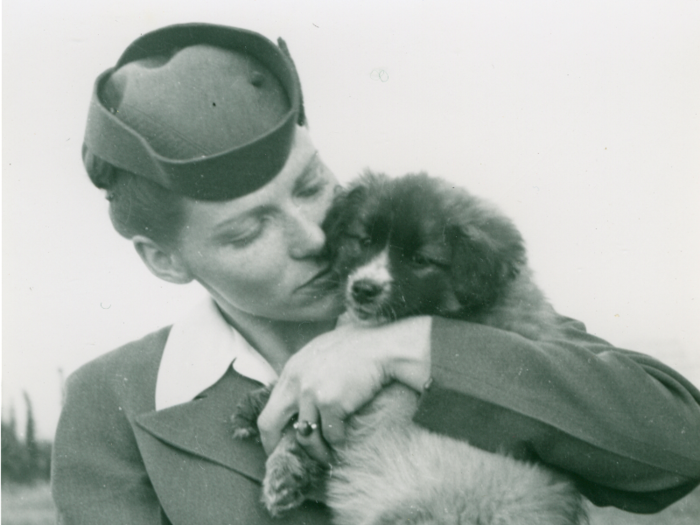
pixel 205 111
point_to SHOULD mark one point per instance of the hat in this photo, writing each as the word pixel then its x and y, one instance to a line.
pixel 205 111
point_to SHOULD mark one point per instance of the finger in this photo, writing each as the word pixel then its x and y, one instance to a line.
pixel 276 416
pixel 308 427
pixel 307 409
pixel 332 428
pixel 315 446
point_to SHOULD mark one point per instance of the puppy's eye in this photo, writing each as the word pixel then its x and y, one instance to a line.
pixel 354 245
pixel 359 240
pixel 420 260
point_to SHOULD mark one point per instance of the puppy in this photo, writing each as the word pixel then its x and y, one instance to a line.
pixel 418 246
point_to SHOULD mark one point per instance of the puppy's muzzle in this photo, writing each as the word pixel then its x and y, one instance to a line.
pixel 365 291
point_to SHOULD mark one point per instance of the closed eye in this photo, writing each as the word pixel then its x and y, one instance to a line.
pixel 361 240
pixel 420 261
pixel 313 179
pixel 354 245
pixel 311 190
pixel 245 234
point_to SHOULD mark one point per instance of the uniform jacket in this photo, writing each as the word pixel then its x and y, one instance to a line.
pixel 625 426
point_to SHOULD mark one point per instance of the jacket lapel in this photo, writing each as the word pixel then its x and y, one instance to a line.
pixel 202 427
pixel 200 473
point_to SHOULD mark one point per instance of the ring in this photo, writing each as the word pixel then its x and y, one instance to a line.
pixel 304 428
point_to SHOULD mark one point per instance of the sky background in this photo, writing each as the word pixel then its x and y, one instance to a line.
pixel 580 120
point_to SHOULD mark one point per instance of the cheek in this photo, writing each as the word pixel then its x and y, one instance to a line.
pixel 248 275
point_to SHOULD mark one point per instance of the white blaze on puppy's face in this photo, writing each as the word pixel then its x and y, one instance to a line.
pixel 369 285
pixel 376 270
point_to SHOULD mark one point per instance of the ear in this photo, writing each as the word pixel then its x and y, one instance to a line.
pixel 487 254
pixel 164 263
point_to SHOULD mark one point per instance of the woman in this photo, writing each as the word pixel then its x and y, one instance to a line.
pixel 197 137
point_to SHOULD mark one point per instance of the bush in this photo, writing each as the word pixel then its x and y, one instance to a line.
pixel 24 461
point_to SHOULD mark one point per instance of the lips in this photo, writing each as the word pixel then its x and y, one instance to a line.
pixel 325 280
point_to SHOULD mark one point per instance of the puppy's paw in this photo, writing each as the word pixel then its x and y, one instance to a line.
pixel 244 419
pixel 244 432
pixel 291 475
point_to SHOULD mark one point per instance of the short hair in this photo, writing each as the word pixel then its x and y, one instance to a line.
pixel 138 206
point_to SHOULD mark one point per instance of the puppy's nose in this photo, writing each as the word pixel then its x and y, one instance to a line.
pixel 365 291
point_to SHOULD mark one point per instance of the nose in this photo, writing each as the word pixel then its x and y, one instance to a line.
pixel 365 291
pixel 306 237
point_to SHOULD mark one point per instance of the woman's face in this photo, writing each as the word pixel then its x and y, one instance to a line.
pixel 260 254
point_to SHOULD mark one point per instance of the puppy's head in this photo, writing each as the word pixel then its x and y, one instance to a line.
pixel 356 230
pixel 415 245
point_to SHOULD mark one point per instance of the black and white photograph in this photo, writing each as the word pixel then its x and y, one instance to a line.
pixel 351 263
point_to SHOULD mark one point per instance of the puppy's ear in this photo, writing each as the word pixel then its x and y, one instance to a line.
pixel 487 254
pixel 336 222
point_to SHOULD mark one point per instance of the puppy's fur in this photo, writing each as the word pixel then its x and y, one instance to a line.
pixel 418 246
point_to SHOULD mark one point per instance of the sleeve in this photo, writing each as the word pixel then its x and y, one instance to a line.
pixel 626 427
pixel 97 474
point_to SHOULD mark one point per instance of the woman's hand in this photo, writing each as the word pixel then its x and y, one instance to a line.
pixel 339 372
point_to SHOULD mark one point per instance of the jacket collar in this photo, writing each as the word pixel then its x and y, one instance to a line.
pixel 199 350
pixel 202 427
pixel 187 441
pixel 200 473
